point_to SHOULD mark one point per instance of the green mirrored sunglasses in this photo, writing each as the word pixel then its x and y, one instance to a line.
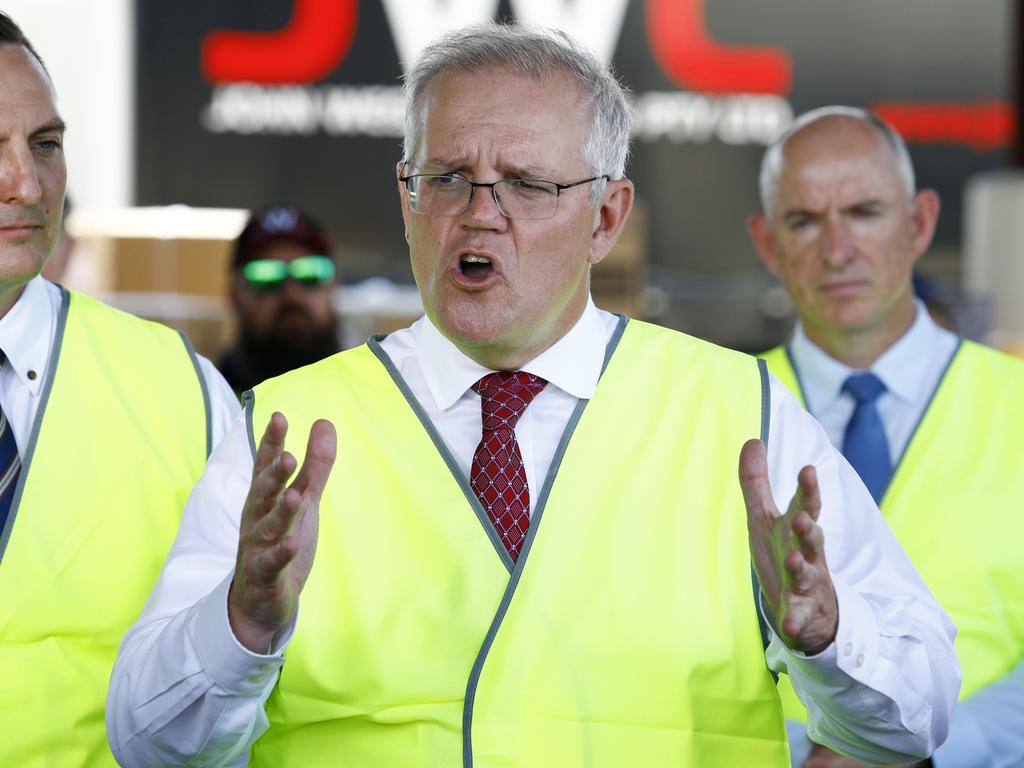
pixel 269 274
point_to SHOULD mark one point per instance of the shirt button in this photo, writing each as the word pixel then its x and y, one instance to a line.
pixel 848 649
pixel 860 659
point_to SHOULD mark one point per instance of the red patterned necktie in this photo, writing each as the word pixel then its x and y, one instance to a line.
pixel 498 476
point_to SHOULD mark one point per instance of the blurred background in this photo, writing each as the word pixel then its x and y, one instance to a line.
pixel 182 115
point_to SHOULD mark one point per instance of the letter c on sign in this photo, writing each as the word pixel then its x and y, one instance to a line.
pixel 312 46
pixel 695 62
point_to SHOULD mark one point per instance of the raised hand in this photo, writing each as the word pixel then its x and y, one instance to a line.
pixel 278 531
pixel 788 552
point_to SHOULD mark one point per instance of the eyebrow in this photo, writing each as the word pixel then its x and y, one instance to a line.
pixel 868 202
pixel 522 172
pixel 53 126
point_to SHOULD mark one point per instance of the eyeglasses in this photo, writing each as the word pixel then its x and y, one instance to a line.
pixel 267 275
pixel 449 195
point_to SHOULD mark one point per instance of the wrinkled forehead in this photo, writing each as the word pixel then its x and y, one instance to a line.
pixel 500 94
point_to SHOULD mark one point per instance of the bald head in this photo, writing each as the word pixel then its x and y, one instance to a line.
pixel 829 128
pixel 842 230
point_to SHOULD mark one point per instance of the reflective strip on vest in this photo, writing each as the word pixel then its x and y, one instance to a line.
pixel 118 441
pixel 626 634
pixel 959 480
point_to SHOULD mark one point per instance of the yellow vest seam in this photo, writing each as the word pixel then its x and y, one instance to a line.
pixel 207 408
pixel 506 600
pixel 463 482
pixel 55 349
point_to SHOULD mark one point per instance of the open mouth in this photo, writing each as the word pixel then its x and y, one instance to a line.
pixel 475 267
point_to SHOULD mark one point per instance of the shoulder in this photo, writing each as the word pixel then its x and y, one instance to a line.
pixel 998 369
pixel 340 369
pixel 83 305
pixel 666 352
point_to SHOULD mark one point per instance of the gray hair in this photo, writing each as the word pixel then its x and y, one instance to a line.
pixel 534 53
pixel 771 163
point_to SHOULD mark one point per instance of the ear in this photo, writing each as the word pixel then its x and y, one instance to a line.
pixel 610 217
pixel 764 241
pixel 403 196
pixel 924 215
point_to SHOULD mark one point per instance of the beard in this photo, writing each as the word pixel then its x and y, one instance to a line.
pixel 285 347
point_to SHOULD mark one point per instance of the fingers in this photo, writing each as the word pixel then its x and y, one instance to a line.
pixel 276 523
pixel 268 484
pixel 804 562
pixel 753 470
pixel 809 491
pixel 271 561
pixel 321 451
pixel 807 497
pixel 272 442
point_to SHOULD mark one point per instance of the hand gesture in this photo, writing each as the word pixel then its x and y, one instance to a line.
pixel 788 552
pixel 277 535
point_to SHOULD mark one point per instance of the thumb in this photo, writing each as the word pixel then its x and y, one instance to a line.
pixel 753 471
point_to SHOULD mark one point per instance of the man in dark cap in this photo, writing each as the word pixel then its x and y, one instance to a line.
pixel 282 276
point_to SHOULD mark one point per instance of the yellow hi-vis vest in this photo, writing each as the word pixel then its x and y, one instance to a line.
pixel 956 505
pixel 119 438
pixel 625 635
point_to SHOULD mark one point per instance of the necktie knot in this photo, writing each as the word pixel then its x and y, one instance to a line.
pixel 864 387
pixel 505 395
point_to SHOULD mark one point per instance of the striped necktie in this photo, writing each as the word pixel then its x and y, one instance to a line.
pixel 10 463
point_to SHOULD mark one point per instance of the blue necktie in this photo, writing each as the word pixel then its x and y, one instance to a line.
pixel 10 464
pixel 864 443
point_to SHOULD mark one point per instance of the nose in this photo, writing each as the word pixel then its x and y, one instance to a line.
pixel 483 211
pixel 838 246
pixel 19 177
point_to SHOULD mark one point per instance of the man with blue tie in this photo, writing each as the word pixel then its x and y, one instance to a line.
pixel 932 423
pixel 105 422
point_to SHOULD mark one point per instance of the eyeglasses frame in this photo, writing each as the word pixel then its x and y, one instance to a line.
pixel 494 196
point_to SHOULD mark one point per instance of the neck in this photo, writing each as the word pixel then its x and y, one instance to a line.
pixel 503 358
pixel 9 295
pixel 859 348
pixel 511 354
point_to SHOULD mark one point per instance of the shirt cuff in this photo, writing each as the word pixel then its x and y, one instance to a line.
pixel 852 654
pixel 226 661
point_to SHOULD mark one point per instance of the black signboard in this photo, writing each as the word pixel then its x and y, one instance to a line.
pixel 241 103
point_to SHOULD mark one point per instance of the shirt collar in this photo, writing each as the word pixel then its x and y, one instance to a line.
pixel 25 334
pixel 573 363
pixel 901 367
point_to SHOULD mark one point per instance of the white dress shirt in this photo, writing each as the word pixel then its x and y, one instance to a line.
pixel 183 685
pixel 985 730
pixel 910 369
pixel 26 338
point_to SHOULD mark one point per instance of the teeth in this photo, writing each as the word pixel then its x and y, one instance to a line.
pixel 476 259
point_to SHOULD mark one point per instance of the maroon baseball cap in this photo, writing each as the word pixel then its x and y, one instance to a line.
pixel 274 223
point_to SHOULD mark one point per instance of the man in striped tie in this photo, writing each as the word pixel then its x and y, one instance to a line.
pixel 932 423
pixel 107 421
